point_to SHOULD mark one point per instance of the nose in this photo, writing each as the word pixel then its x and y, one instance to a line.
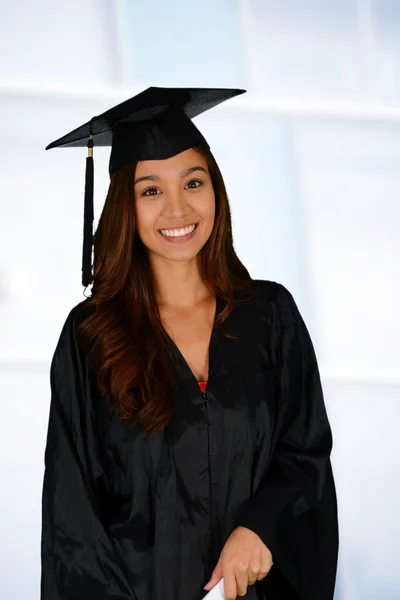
pixel 176 205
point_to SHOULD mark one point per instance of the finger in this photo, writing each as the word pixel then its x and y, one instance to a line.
pixel 230 585
pixel 241 582
pixel 263 572
pixel 266 562
pixel 264 569
pixel 213 582
pixel 252 577
pixel 216 576
pixel 253 571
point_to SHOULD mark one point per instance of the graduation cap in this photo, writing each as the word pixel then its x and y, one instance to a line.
pixel 155 124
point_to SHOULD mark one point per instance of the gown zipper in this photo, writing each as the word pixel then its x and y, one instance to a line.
pixel 211 495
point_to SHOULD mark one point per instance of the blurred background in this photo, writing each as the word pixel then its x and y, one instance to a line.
pixel 311 160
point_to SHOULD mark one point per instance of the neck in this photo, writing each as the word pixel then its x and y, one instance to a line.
pixel 178 284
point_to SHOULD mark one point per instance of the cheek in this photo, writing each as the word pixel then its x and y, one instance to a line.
pixel 209 211
pixel 206 207
pixel 146 216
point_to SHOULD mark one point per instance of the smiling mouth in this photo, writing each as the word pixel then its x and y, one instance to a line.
pixel 178 232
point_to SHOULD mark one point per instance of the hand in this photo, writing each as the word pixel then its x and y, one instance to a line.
pixel 244 560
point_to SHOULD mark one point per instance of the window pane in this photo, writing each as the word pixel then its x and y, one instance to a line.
pixel 309 48
pixel 184 44
pixel 57 42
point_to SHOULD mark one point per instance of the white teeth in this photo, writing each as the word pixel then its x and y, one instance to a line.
pixel 178 232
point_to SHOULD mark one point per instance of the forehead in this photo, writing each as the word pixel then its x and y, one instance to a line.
pixel 179 162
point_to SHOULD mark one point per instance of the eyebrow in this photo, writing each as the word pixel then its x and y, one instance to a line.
pixel 182 174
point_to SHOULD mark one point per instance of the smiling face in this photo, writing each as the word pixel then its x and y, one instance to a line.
pixel 175 205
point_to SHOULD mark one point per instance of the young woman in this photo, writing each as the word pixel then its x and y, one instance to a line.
pixel 188 439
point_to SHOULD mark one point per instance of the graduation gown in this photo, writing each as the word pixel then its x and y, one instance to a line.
pixel 128 516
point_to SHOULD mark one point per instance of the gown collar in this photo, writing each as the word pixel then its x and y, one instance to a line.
pixel 185 372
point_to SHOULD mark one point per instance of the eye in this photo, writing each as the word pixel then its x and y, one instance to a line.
pixel 195 181
pixel 145 193
pixel 152 191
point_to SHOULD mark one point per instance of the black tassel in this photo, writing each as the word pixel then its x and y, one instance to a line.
pixel 88 219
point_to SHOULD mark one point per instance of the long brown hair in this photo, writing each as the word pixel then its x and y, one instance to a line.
pixel 123 336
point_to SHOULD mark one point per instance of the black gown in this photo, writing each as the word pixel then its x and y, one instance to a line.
pixel 129 516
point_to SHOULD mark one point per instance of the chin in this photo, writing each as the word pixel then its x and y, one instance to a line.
pixel 176 255
pixel 179 256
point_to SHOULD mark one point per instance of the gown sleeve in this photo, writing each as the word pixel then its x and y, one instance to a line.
pixel 294 511
pixel 78 558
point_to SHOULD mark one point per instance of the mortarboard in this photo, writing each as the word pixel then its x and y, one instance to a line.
pixel 155 124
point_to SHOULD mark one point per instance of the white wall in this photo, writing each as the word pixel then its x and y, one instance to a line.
pixel 311 159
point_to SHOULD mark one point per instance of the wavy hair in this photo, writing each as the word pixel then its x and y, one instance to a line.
pixel 123 335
